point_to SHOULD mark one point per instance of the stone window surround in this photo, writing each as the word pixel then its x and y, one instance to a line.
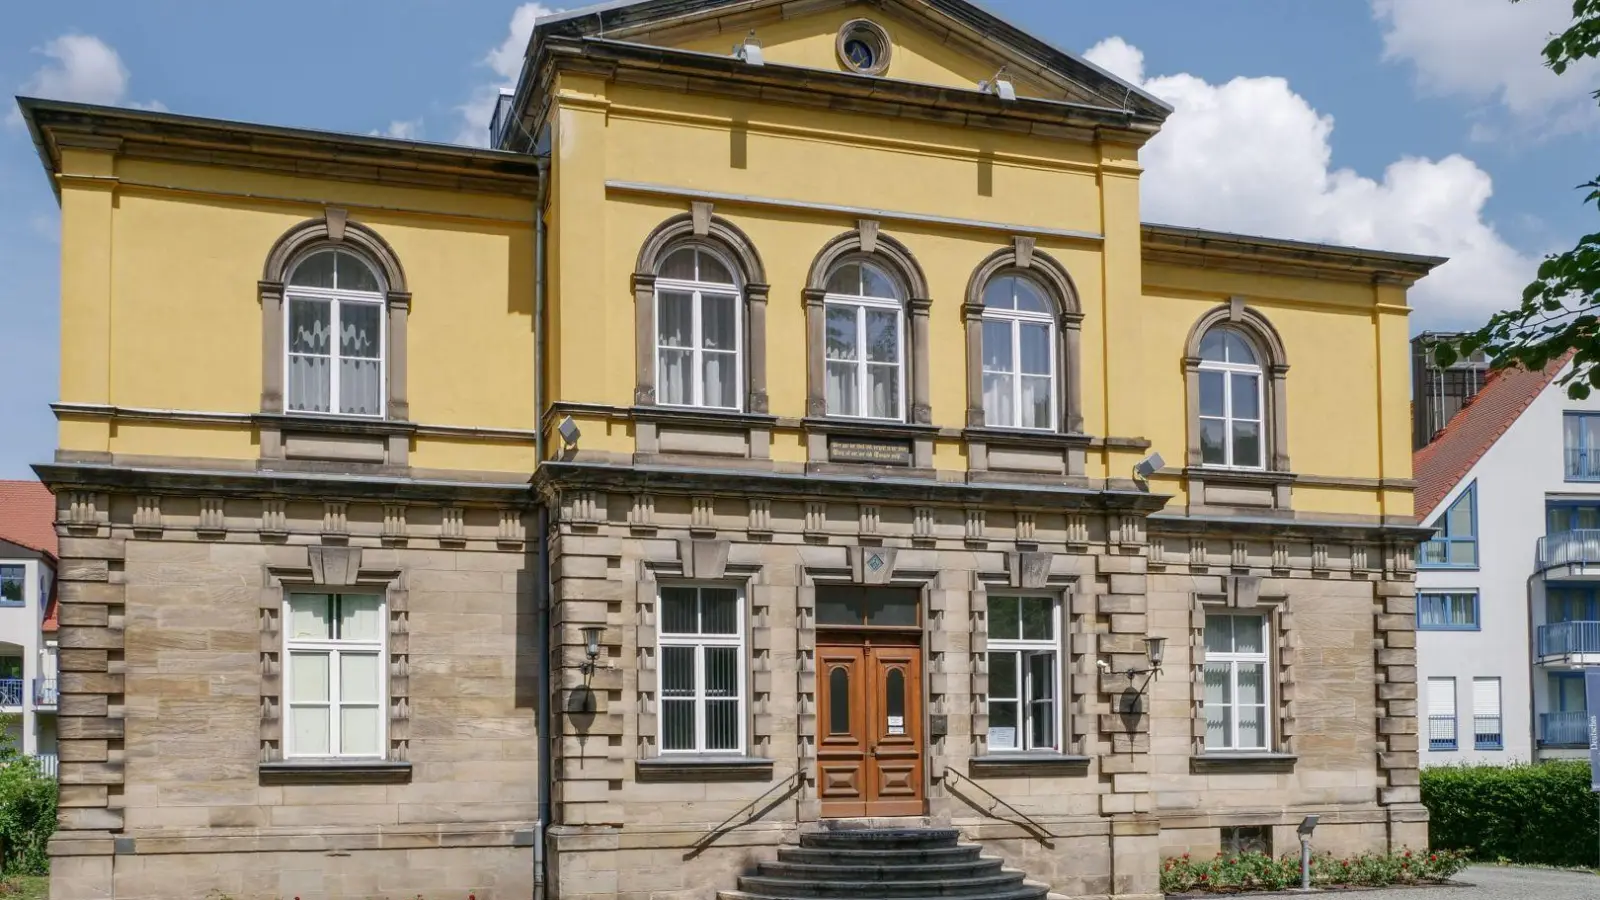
pixel 1022 257
pixel 334 229
pixel 702 563
pixel 1029 574
pixel 874 33
pixel 1277 477
pixel 867 243
pixel 332 569
pixel 1243 594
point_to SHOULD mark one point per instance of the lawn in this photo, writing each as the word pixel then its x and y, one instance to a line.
pixel 28 887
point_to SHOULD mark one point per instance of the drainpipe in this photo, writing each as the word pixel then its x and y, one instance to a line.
pixel 542 578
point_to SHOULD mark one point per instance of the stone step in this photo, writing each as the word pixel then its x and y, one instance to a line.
pixel 882 838
pixel 899 884
pixel 1027 891
pixel 879 869
pixel 856 856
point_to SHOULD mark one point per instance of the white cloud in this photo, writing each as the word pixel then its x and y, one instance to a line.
pixel 1490 51
pixel 505 61
pixel 1253 156
pixel 80 68
pixel 402 129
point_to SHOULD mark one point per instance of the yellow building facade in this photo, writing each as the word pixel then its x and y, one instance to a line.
pixel 790 426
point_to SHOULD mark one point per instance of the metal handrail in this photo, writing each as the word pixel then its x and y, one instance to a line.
pixel 1027 823
pixel 1564 728
pixel 1561 638
pixel 1583 464
pixel 1564 548
pixel 728 824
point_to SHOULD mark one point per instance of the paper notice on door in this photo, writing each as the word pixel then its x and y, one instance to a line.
pixel 897 724
pixel 1002 737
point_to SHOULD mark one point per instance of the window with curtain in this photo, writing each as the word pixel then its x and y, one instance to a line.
pixel 1452 611
pixel 865 343
pixel 1237 686
pixel 1441 714
pixel 702 670
pixel 1232 399
pixel 335 340
pixel 1581 433
pixel 1486 714
pixel 1455 545
pixel 698 330
pixel 1024 674
pixel 335 677
pixel 1019 354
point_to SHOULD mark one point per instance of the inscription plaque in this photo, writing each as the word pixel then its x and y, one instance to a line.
pixel 869 450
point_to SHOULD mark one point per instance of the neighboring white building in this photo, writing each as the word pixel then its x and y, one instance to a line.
pixel 1508 592
pixel 28 654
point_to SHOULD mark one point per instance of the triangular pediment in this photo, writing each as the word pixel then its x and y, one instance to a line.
pixel 947 43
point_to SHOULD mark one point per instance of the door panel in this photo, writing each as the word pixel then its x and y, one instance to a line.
pixel 869 756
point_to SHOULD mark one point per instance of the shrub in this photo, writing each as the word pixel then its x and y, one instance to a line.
pixel 1541 813
pixel 1227 873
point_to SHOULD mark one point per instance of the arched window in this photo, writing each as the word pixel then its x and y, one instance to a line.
pixel 334 344
pixel 865 343
pixel 698 330
pixel 1232 401
pixel 1019 354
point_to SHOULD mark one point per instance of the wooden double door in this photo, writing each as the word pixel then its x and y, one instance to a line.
pixel 869 723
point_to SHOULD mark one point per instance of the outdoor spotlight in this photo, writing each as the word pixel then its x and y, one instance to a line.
pixel 1104 666
pixel 750 51
pixel 1000 86
pixel 1308 825
pixel 1148 466
pixel 591 646
pixel 1155 648
pixel 569 432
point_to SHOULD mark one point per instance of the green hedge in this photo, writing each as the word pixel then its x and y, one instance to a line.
pixel 1542 813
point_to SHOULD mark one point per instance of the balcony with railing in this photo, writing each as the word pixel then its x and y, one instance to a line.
pixel 1564 729
pixel 12 692
pixel 49 765
pixel 1570 554
pixel 1568 643
pixel 46 694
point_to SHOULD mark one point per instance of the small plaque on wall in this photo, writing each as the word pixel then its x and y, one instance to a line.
pixel 869 450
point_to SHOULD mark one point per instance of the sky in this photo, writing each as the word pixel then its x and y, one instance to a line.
pixel 1423 126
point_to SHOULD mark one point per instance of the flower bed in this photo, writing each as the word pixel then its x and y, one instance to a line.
pixel 1232 873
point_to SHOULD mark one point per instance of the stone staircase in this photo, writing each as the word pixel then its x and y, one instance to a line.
pixel 885 864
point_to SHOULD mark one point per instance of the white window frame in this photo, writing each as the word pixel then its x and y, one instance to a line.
pixel 860 304
pixel 336 298
pixel 1024 648
pixel 699 643
pixel 1233 661
pixel 1015 319
pixel 334 648
pixel 698 289
pixel 1229 370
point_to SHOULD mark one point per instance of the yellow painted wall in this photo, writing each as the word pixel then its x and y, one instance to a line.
pixel 160 308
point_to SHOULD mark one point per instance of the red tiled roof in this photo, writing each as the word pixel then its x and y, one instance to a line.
pixel 28 515
pixel 1442 464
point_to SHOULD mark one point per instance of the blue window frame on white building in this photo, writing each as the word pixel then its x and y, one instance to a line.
pixel 1455 545
pixel 1581 432
pixel 13 585
pixel 1447 611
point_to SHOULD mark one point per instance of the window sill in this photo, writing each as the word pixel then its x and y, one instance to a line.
pixel 703 768
pixel 332 424
pixel 1228 473
pixel 1466 628
pixel 874 427
pixel 702 415
pixel 1242 762
pixel 1024 764
pixel 335 771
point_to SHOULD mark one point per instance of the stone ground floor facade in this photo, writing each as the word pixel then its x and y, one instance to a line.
pixel 770 655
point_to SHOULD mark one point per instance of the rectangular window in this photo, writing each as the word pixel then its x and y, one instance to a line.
pixel 702 670
pixel 1237 692
pixel 697 347
pixel 1581 433
pixel 1571 604
pixel 335 675
pixel 1453 611
pixel 1486 714
pixel 1455 545
pixel 13 584
pixel 1441 714
pixel 1024 673
pixel 864 349
pixel 342 376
